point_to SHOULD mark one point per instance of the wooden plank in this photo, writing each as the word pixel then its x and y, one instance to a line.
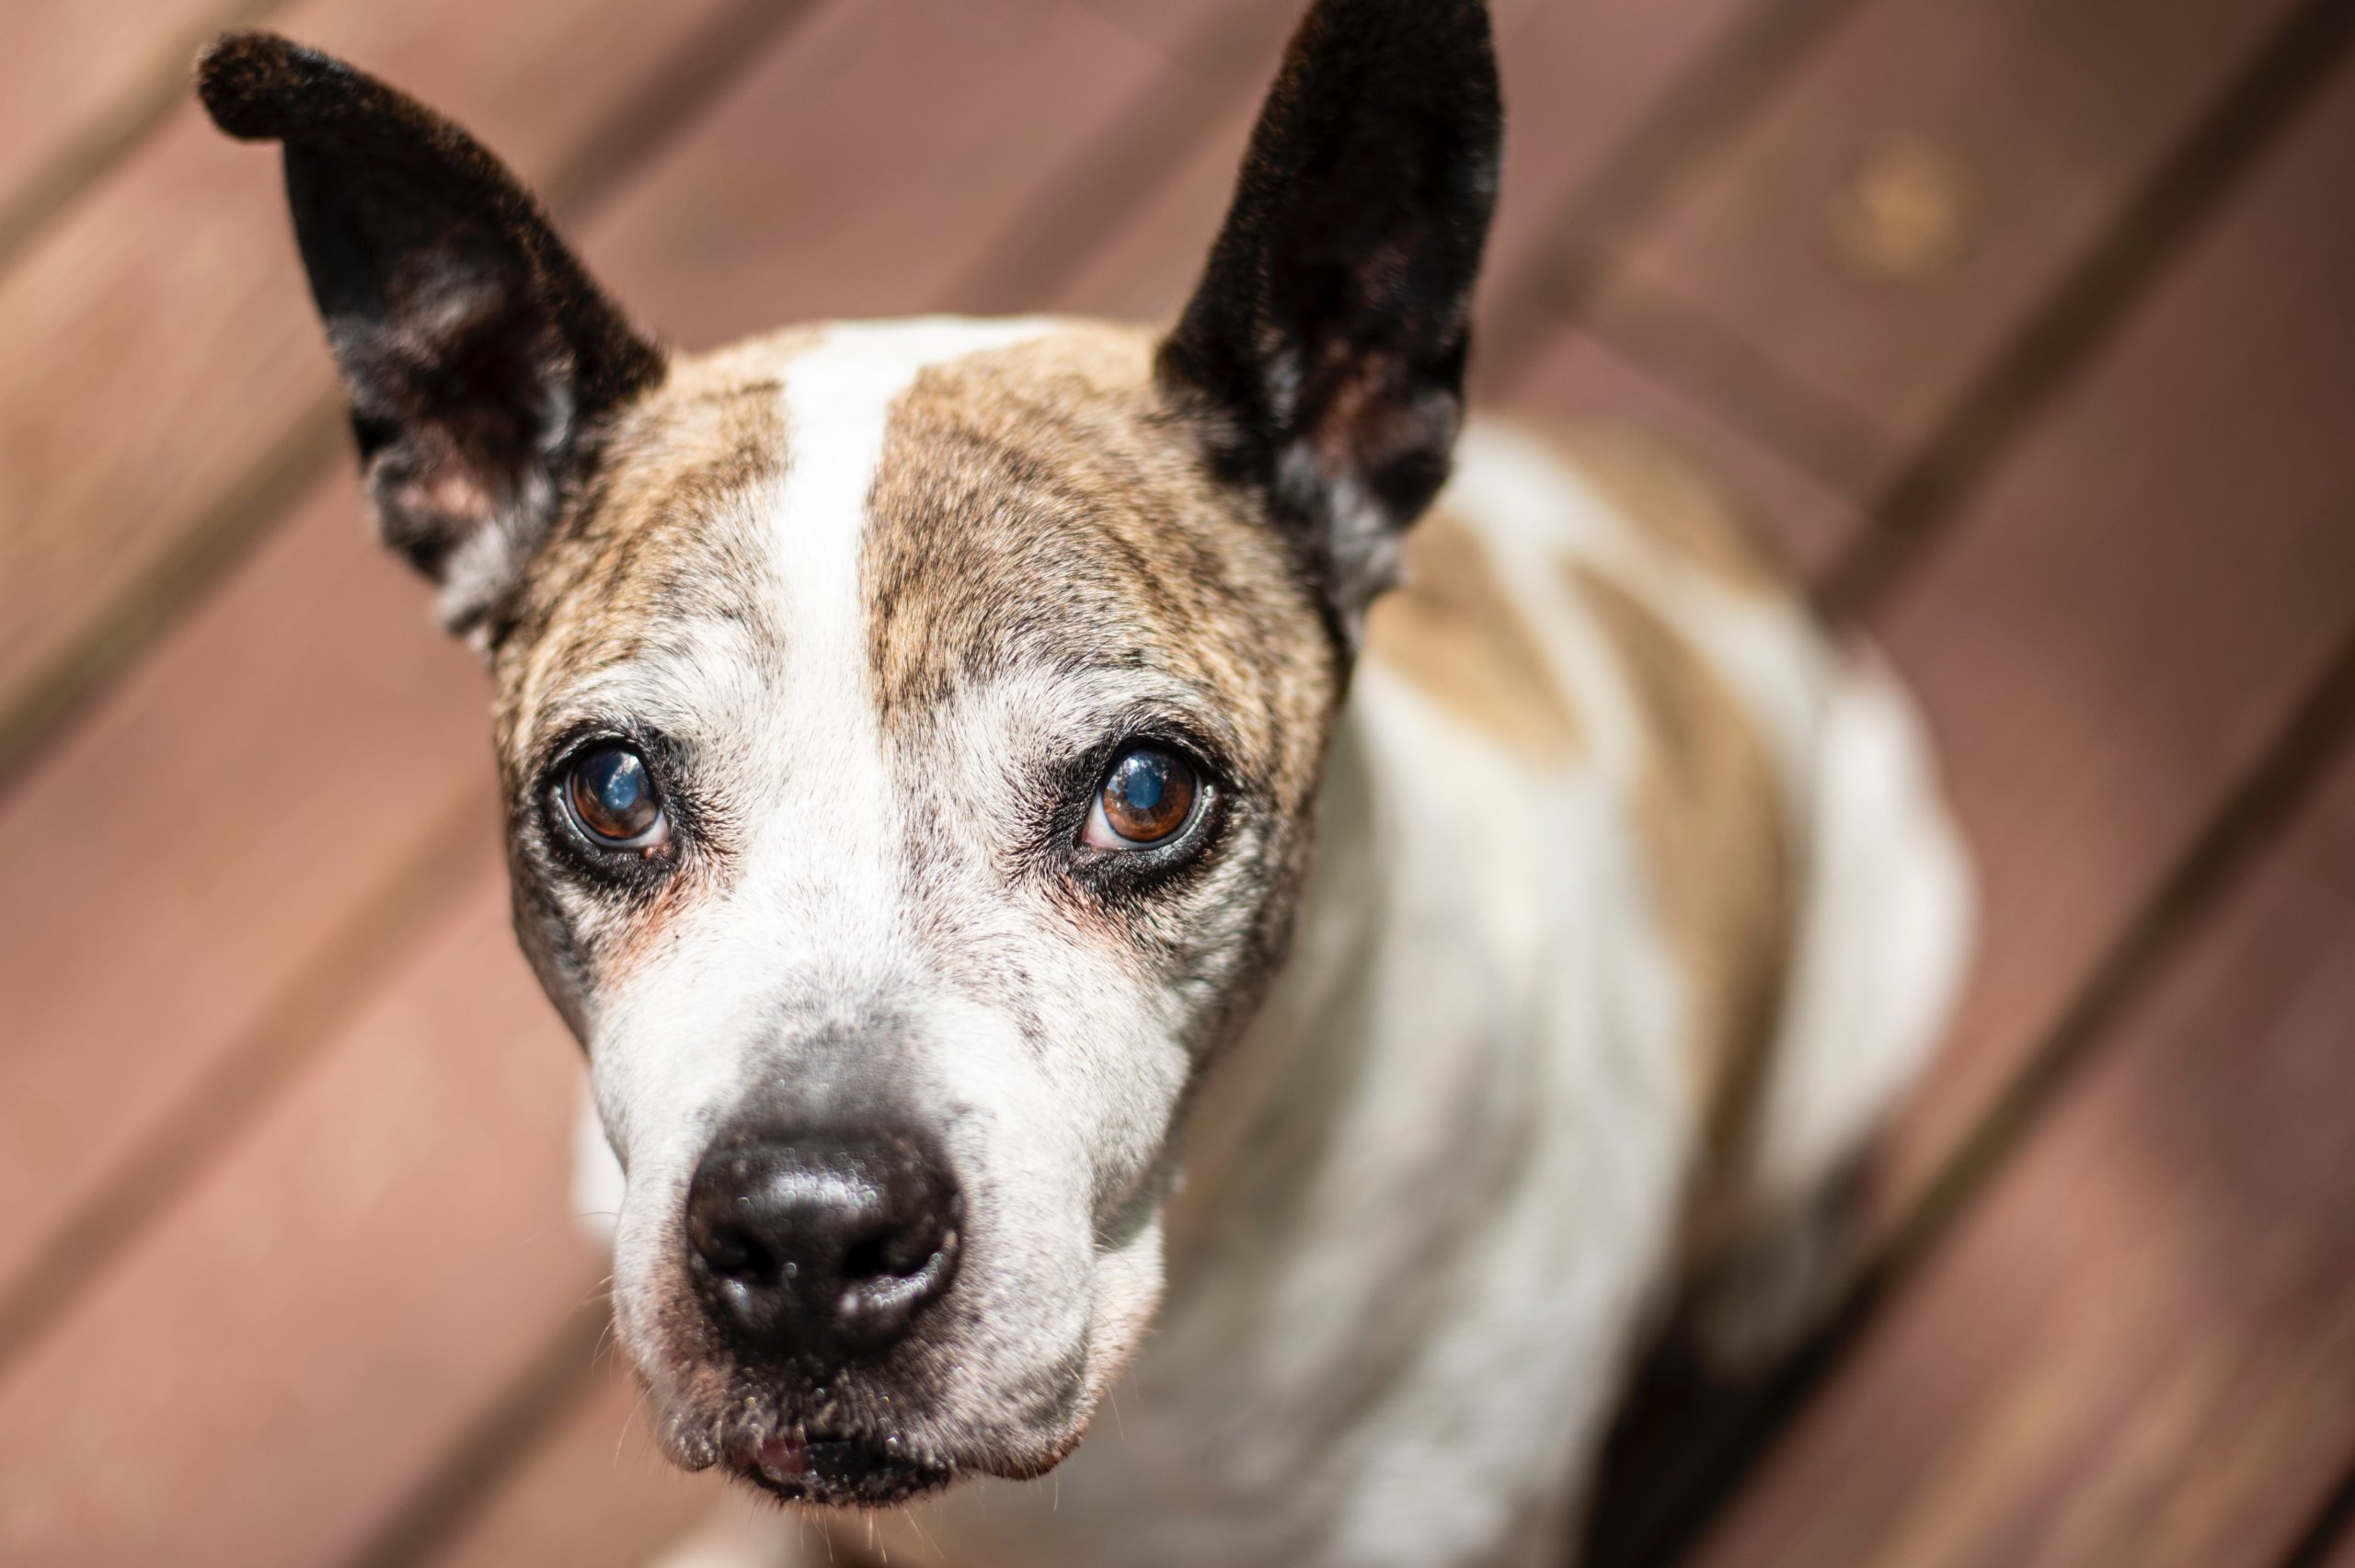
pixel 215 831
pixel 597 1493
pixel 77 83
pixel 1203 34
pixel 161 340
pixel 264 1378
pixel 2137 1350
pixel 1576 79
pixel 1845 272
pixel 864 172
pixel 2136 602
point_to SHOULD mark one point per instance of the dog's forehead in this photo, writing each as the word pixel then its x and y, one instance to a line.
pixel 966 501
pixel 669 544
pixel 1035 511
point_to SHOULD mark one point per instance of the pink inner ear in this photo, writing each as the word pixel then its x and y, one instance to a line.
pixel 452 491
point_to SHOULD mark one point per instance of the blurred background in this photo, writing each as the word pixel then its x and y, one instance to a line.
pixel 2023 329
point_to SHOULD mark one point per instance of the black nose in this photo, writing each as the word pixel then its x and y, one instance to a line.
pixel 819 1246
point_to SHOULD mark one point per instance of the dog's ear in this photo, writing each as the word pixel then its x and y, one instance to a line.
pixel 1322 355
pixel 478 355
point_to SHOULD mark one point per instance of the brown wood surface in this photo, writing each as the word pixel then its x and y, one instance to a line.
pixel 1858 257
pixel 76 80
pixel 2138 1350
pixel 597 1492
pixel 812 191
pixel 286 1273
pixel 228 835
pixel 1581 388
pixel 2123 621
pixel 263 1378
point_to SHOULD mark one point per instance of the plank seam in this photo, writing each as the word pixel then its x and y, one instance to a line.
pixel 1671 337
pixel 1114 176
pixel 1694 119
pixel 2061 338
pixel 471 1472
pixel 193 1133
pixel 2331 1527
pixel 111 132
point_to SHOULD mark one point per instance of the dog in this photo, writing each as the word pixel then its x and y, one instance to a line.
pixel 1095 867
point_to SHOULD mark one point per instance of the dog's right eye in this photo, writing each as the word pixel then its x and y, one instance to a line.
pixel 611 794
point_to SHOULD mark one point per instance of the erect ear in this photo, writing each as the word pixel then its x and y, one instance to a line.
pixel 1322 355
pixel 479 357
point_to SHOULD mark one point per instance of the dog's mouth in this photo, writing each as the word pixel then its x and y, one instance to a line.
pixel 836 1470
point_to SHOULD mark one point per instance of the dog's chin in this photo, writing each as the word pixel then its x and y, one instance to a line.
pixel 838 1471
pixel 847 1453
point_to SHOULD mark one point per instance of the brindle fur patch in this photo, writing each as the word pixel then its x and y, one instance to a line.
pixel 667 539
pixel 1451 629
pixel 1038 508
pixel 1710 811
pixel 645 546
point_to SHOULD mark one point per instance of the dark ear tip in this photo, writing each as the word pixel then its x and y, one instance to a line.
pixel 258 86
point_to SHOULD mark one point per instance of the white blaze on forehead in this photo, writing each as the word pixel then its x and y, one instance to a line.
pixel 838 399
pixel 814 894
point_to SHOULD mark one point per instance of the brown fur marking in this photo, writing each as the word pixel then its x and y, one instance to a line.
pixel 1452 630
pixel 661 539
pixel 641 547
pixel 1037 511
pixel 1709 809
pixel 1032 509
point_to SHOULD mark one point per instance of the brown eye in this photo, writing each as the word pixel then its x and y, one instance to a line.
pixel 614 800
pixel 1147 798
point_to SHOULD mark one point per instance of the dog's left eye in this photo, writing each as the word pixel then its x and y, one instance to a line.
pixel 1147 798
pixel 612 796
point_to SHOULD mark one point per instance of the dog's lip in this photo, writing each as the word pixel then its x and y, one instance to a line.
pixel 803 1466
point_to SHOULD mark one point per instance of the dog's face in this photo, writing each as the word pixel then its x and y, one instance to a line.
pixel 911 732
pixel 907 750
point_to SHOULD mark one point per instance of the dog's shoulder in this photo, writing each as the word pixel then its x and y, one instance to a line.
pixel 1589 610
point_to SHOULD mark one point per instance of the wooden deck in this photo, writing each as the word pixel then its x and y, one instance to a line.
pixel 2024 328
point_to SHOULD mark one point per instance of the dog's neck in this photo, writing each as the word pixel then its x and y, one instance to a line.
pixel 1390 1042
pixel 1305 1029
